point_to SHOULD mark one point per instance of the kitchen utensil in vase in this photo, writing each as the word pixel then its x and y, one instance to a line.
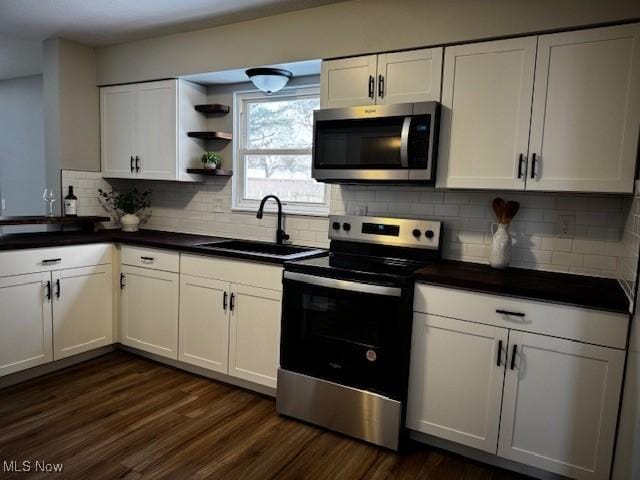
pixel 501 243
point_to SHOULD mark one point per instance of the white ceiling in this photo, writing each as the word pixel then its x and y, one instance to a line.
pixel 24 24
pixel 299 69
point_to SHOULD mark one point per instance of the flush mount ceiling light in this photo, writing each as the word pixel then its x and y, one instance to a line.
pixel 269 80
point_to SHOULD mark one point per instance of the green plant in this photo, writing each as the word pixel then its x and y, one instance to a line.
pixel 129 202
pixel 211 158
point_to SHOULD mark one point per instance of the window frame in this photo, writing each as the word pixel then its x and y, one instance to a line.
pixel 239 202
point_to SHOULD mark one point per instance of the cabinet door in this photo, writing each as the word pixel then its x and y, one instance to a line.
pixel 118 131
pixel 586 110
pixel 560 405
pixel 149 310
pixel 456 379
pixel 486 109
pixel 204 323
pixel 82 310
pixel 25 322
pixel 254 337
pixel 157 130
pixel 413 76
pixel 348 82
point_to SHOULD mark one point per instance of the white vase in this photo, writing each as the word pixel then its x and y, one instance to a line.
pixel 500 246
pixel 130 222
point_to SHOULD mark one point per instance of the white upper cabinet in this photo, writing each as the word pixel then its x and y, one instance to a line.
pixel 456 379
pixel 141 130
pixel 486 109
pixel 412 76
pixel 560 405
pixel 348 82
pixel 118 130
pixel 156 127
pixel 82 310
pixel 586 111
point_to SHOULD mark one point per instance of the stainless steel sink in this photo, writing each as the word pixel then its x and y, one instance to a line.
pixel 261 248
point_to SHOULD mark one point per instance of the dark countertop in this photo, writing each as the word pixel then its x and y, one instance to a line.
pixel 577 290
pixel 182 242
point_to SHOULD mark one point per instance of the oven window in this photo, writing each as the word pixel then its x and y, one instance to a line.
pixel 368 143
pixel 351 338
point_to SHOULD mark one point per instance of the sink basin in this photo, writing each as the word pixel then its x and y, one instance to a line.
pixel 260 248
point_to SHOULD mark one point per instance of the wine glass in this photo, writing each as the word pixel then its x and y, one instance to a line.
pixel 49 196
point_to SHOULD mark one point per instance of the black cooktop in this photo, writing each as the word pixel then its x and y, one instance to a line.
pixel 358 267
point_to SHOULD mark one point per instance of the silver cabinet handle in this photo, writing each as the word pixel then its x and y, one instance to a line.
pixel 344 284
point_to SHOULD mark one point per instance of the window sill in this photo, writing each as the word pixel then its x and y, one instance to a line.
pixel 285 211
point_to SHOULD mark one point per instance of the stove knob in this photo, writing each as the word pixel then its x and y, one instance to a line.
pixel 416 233
pixel 429 234
pixel 335 225
pixel 346 226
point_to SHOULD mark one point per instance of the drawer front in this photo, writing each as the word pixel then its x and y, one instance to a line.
pixel 234 271
pixel 18 262
pixel 574 323
pixel 150 258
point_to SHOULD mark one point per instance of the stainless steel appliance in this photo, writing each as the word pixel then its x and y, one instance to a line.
pixel 346 327
pixel 376 143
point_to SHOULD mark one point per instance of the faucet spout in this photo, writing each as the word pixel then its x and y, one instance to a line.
pixel 281 236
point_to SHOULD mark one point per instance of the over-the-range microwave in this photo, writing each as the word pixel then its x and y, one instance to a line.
pixel 376 143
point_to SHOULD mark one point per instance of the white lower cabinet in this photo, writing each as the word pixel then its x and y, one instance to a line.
pixel 25 322
pixel 457 374
pixel 82 310
pixel 554 401
pixel 149 310
pixel 204 323
pixel 254 337
pixel 560 405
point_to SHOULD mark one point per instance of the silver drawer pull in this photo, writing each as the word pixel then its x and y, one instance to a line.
pixel 147 259
pixel 507 312
pixel 49 261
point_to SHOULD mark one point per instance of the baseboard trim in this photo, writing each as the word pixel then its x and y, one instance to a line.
pixel 203 372
pixel 31 373
pixel 483 457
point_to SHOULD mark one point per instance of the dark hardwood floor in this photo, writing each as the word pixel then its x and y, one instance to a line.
pixel 124 417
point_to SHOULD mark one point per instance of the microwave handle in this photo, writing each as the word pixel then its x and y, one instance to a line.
pixel 404 142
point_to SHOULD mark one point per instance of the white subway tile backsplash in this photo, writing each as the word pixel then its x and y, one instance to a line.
pixel 607 228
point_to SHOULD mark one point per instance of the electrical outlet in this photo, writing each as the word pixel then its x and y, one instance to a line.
pixel 567 226
pixel 362 210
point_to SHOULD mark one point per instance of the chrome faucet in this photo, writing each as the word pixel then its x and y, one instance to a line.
pixel 281 236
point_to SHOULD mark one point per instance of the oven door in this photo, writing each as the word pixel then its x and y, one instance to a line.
pixel 351 333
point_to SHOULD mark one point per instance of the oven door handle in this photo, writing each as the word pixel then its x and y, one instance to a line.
pixel 344 284
pixel 404 142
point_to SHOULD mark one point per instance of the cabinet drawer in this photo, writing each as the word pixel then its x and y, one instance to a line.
pixel 235 271
pixel 150 258
pixel 574 323
pixel 17 262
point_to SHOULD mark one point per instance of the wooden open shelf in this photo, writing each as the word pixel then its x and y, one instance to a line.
pixel 213 109
pixel 218 172
pixel 211 135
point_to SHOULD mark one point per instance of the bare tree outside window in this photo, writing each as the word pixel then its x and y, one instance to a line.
pixel 275 148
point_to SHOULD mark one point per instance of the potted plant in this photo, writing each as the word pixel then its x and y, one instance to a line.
pixel 127 205
pixel 210 160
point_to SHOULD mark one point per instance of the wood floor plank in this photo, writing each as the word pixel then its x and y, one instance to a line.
pixel 120 416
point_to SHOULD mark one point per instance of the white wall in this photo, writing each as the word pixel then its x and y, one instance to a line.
pixel 22 158
pixel 345 29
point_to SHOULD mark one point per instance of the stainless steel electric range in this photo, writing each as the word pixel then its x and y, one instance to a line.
pixel 346 327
